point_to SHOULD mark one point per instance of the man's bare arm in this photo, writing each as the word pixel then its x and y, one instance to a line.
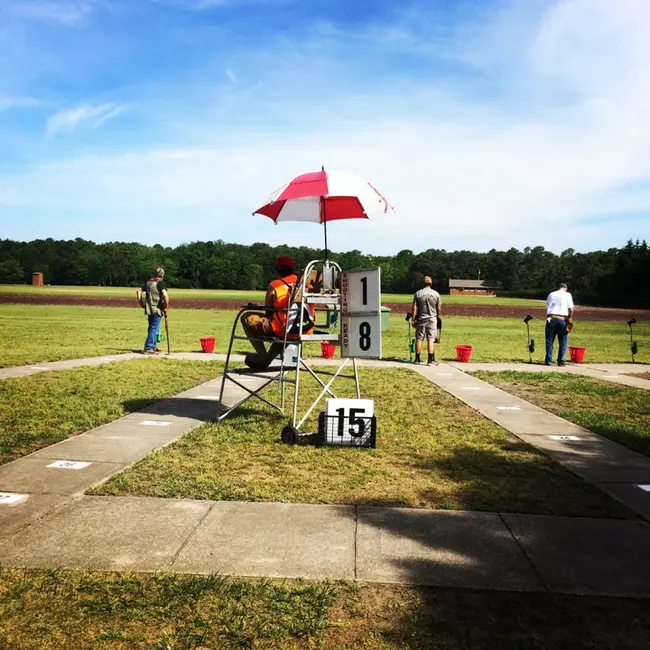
pixel 165 299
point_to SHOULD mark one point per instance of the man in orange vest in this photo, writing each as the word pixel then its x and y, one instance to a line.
pixel 273 324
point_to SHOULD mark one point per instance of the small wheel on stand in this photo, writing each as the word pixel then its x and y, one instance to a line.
pixel 289 435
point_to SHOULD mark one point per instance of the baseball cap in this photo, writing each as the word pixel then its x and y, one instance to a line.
pixel 563 285
pixel 427 280
pixel 284 260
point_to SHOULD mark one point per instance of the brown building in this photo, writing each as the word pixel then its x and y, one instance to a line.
pixel 473 287
pixel 37 279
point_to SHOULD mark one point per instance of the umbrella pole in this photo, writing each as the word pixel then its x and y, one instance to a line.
pixel 324 223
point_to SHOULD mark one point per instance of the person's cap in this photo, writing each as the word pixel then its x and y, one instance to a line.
pixel 563 285
pixel 283 261
pixel 427 280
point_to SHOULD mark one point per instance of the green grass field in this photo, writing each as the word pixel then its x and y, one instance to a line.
pixel 42 409
pixel 36 333
pixel 231 294
pixel 616 412
pixel 433 453
pixel 59 610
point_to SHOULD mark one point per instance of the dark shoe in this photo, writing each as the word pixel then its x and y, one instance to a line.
pixel 561 363
pixel 547 363
pixel 417 361
pixel 149 352
pixel 257 361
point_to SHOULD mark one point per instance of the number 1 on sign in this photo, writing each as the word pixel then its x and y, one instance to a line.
pixel 364 291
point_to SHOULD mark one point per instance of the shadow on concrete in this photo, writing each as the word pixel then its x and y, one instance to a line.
pixel 182 407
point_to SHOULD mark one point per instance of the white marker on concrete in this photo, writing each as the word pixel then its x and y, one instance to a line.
pixel 564 438
pixel 214 398
pixel 509 408
pixel 11 499
pixel 39 368
pixel 444 374
pixel 155 423
pixel 69 464
pixel 471 387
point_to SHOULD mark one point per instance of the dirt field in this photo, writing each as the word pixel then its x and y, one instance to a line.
pixel 484 311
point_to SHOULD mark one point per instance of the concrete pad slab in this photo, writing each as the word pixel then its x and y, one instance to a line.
pixel 32 475
pixel 595 459
pixel 273 540
pixel 107 533
pixel 586 556
pixel 107 448
pixel 27 511
pixel 630 494
pixel 531 420
pixel 436 548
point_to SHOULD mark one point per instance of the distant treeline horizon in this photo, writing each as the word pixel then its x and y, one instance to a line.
pixel 615 277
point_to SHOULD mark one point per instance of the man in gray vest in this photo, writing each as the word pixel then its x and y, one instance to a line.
pixel 425 313
pixel 153 297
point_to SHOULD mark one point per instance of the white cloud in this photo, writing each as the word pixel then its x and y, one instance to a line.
pixel 8 103
pixel 231 75
pixel 68 120
pixel 68 13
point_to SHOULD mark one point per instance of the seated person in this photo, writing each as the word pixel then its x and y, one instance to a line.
pixel 273 323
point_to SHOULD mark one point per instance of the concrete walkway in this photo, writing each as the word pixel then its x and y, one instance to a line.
pixel 46 521
pixel 614 372
pixel 388 545
pixel 618 471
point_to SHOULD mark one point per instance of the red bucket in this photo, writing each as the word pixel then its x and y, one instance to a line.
pixel 577 354
pixel 327 350
pixel 207 344
pixel 463 353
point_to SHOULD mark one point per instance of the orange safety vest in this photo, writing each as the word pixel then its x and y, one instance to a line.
pixel 283 288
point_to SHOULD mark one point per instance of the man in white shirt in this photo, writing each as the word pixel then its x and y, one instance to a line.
pixel 559 322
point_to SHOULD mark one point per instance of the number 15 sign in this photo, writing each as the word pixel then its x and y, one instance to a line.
pixel 361 313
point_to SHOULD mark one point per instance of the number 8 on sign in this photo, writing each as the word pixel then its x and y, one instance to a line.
pixel 365 342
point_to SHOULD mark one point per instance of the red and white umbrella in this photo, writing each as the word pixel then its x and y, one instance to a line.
pixel 323 196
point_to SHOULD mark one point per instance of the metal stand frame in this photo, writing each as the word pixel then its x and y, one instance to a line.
pixel 302 298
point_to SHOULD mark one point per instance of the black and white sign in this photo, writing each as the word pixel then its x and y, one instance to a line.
pixel 361 291
pixel 348 423
pixel 11 499
pixel 361 313
pixel 68 464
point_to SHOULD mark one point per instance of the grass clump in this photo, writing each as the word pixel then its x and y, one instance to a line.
pixel 39 410
pixel 59 610
pixel 433 452
pixel 619 413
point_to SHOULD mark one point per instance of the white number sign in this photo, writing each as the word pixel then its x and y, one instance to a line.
pixel 361 291
pixel 10 499
pixel 348 422
pixel 361 313
pixel 68 464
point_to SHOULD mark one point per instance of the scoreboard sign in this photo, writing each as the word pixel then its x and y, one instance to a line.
pixel 361 313
pixel 348 423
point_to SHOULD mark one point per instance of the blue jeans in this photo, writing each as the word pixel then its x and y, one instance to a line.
pixel 556 327
pixel 154 326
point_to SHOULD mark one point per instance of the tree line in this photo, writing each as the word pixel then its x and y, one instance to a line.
pixel 616 277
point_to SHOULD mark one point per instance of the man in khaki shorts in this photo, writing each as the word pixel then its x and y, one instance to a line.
pixel 425 312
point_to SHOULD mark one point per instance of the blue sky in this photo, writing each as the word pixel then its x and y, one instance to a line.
pixel 487 124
